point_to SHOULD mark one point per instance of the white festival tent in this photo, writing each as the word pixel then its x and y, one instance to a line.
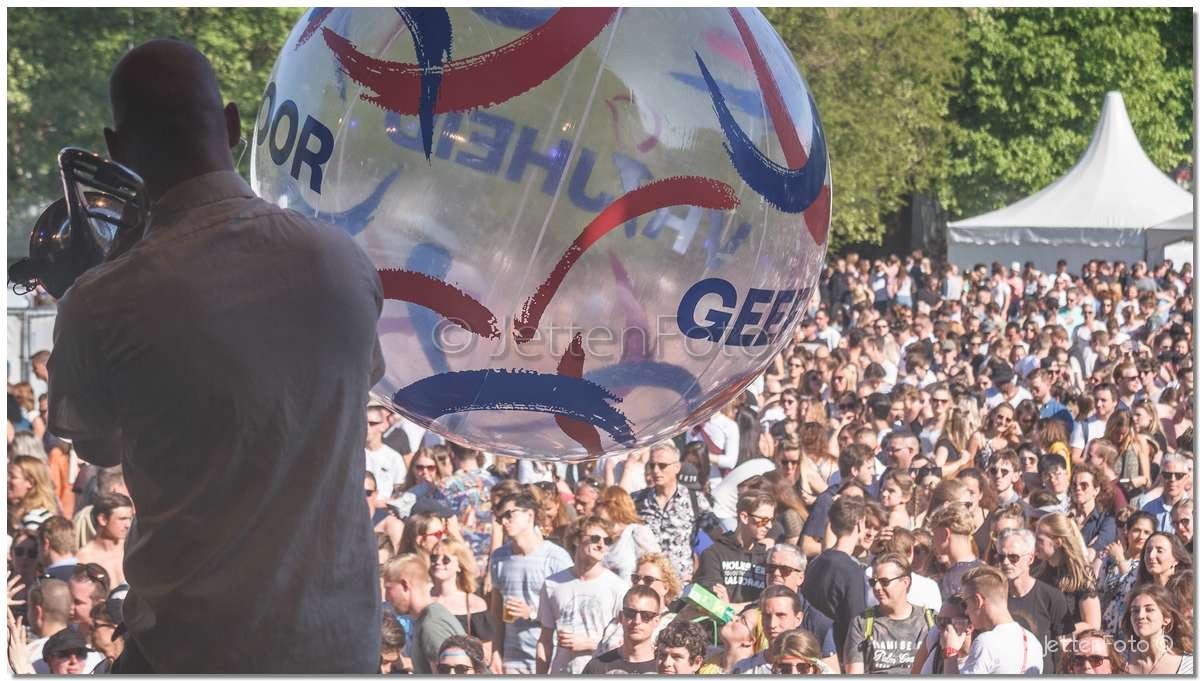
pixel 1114 204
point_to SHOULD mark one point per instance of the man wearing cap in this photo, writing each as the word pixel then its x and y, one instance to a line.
pixel 66 652
pixel 1004 387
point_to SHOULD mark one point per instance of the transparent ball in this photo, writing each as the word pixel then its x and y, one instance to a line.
pixel 594 227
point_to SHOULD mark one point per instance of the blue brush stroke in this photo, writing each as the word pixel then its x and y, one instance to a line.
pixel 433 260
pixel 789 190
pixel 749 101
pixel 352 220
pixel 432 38
pixel 519 18
pixel 516 390
pixel 650 374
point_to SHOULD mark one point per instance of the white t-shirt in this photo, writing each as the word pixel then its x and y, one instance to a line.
pixel 1005 649
pixel 570 604
pixel 230 353
pixel 388 467
pixel 1087 430
pixel 995 397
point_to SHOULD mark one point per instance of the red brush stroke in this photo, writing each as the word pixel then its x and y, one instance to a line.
pixel 585 434
pixel 481 80
pixel 672 191
pixel 724 44
pixel 816 216
pixel 441 297
pixel 314 23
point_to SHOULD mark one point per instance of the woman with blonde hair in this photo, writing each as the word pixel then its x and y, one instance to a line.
pixel 1133 466
pixel 1059 546
pixel 455 579
pixel 31 499
pixel 961 439
pixel 796 652
pixel 633 539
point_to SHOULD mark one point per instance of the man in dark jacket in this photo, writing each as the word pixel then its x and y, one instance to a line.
pixel 733 567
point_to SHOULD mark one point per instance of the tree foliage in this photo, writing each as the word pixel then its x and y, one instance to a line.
pixel 58 66
pixel 1033 89
pixel 882 80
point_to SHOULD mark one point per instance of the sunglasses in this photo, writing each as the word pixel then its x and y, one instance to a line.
pixel 647 580
pixel 454 668
pixel 1013 558
pixel 443 559
pixel 77 653
pixel 368 492
pixel 1174 475
pixel 660 465
pixel 789 463
pixel 19 552
pixel 784 571
pixel 996 470
pixel 94 572
pixel 959 623
pixel 597 538
pixel 425 467
pixel 507 515
pixel 885 582
pixel 760 521
pixel 374 423
pixel 798 668
pixel 1089 660
pixel 436 535
pixel 633 615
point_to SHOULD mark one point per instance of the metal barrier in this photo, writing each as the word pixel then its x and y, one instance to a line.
pixel 29 330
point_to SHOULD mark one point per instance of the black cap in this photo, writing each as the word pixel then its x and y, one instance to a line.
pixel 427 505
pixel 67 639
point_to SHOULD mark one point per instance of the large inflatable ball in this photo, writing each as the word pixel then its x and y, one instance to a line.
pixel 594 227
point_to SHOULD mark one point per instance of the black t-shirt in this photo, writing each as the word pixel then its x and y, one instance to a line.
pixel 818 516
pixel 613 662
pixel 1045 612
pixel 836 585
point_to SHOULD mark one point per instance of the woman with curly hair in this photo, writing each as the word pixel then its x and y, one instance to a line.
pixel 552 516
pixel 31 499
pixel 1160 635
pixel 1064 565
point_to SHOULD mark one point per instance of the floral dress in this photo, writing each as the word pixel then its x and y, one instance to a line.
pixel 1114 591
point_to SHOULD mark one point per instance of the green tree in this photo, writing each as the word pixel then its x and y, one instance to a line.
pixel 1033 89
pixel 58 66
pixel 882 80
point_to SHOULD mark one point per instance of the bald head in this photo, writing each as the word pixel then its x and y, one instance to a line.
pixel 169 121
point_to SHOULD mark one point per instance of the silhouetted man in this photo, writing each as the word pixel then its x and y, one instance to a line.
pixel 224 359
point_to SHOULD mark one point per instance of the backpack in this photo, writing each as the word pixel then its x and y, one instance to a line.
pixel 869 631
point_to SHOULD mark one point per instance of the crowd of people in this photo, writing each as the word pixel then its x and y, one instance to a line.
pixel 946 471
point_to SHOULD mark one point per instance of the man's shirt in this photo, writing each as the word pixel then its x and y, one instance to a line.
pixel 1160 508
pixel 673 524
pixel 229 353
